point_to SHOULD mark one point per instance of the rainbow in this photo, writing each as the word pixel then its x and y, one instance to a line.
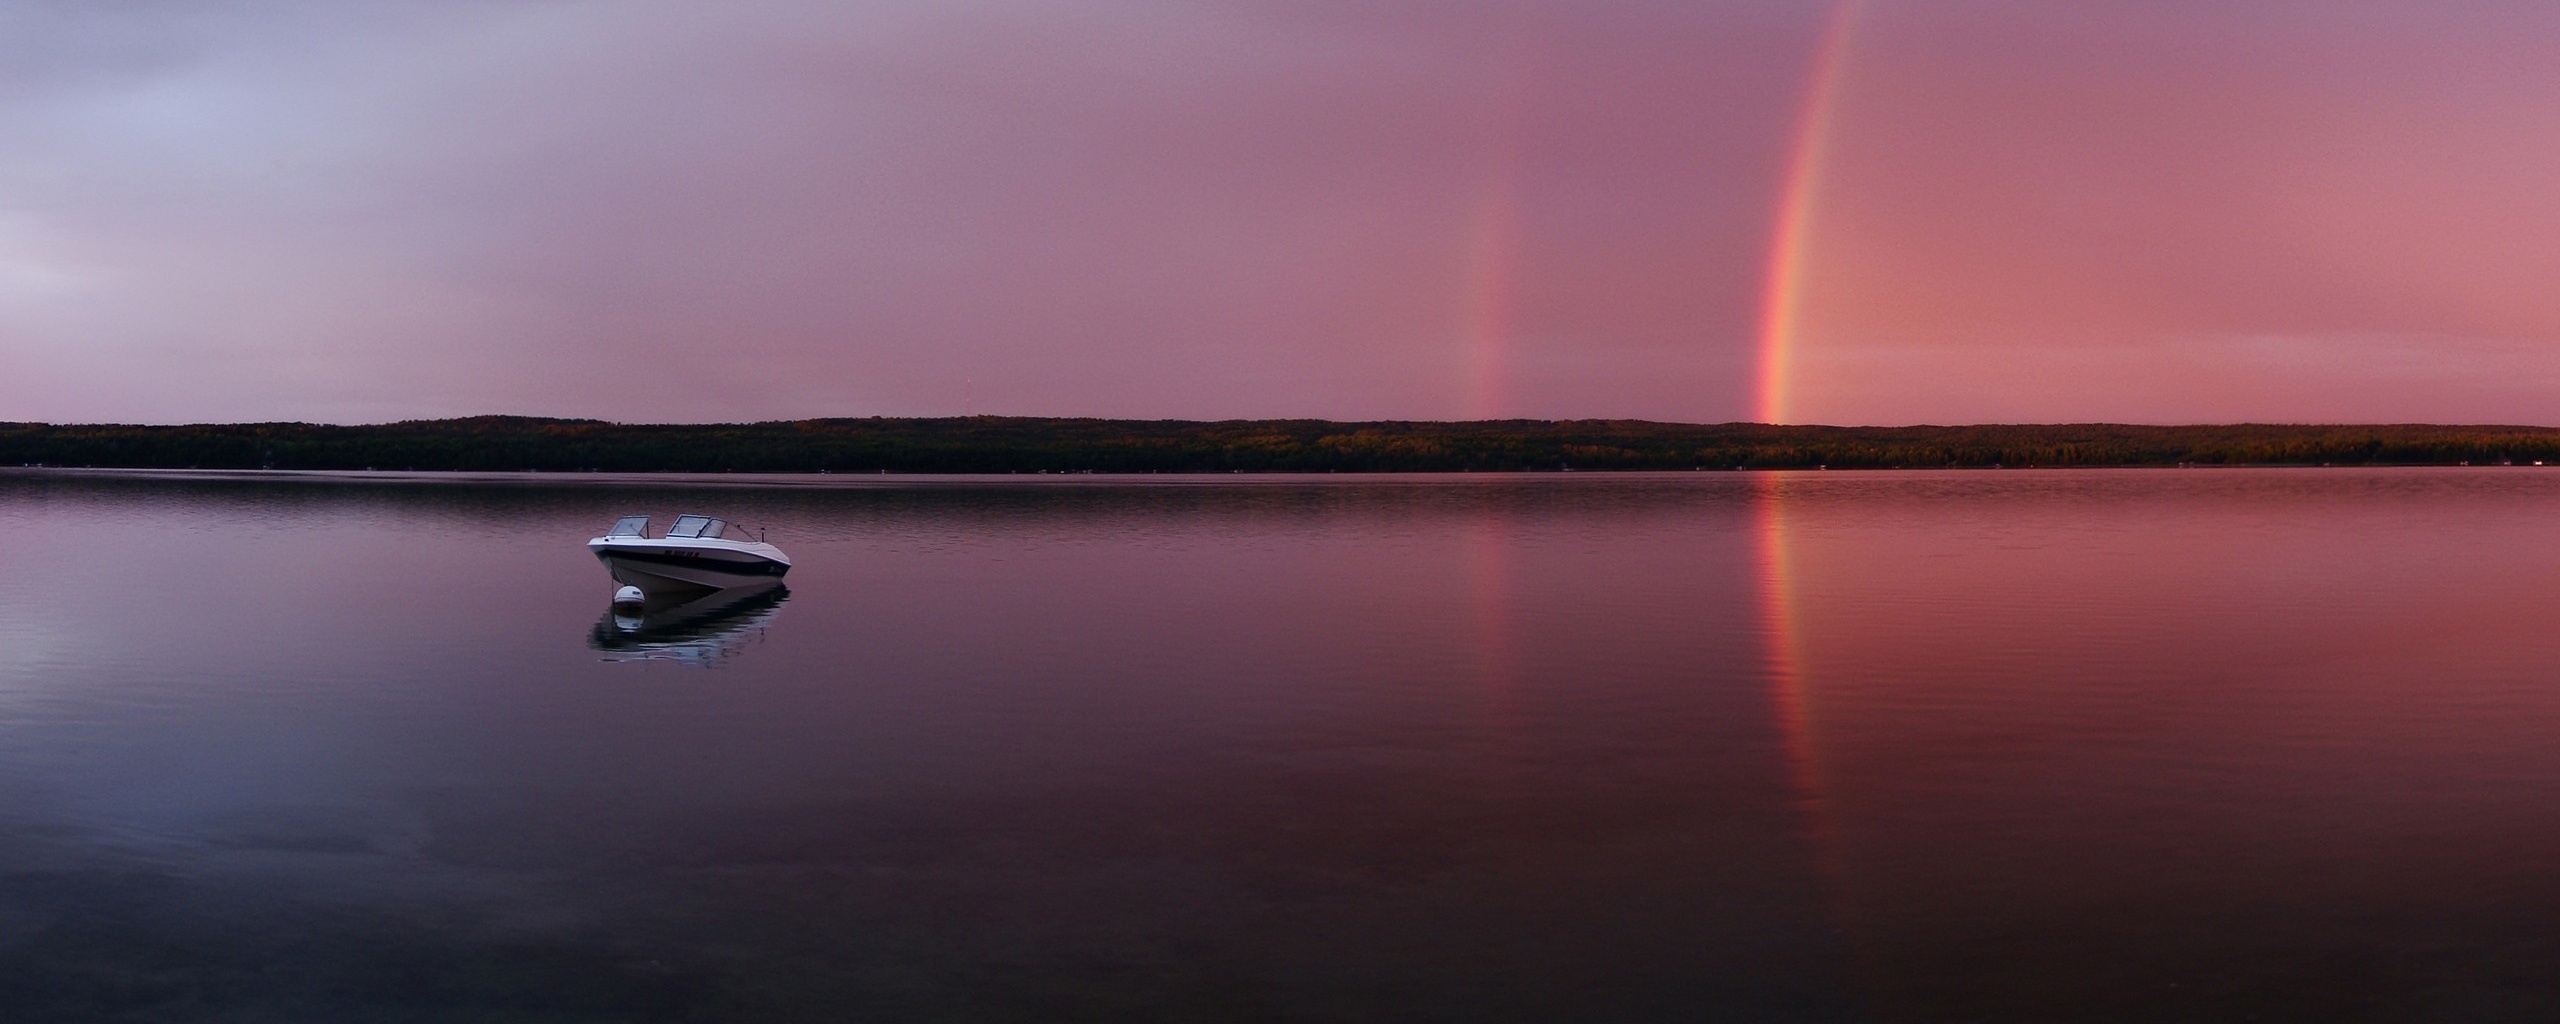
pixel 1790 678
pixel 1782 290
pixel 1493 261
pixel 1493 241
pixel 1782 636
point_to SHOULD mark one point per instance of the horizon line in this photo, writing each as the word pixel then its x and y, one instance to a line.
pixel 1950 425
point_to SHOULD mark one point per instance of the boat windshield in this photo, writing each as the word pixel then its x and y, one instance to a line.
pixel 629 526
pixel 696 526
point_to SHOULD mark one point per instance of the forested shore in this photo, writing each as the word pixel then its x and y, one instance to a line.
pixel 1007 444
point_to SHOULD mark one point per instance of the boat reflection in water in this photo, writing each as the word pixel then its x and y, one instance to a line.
pixel 698 629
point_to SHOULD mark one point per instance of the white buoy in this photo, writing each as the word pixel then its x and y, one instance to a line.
pixel 629 596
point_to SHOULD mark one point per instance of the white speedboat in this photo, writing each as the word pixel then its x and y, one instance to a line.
pixel 697 553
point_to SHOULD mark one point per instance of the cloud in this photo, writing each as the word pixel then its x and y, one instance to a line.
pixel 647 211
pixel 2131 198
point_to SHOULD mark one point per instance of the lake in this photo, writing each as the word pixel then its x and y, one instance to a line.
pixel 2175 745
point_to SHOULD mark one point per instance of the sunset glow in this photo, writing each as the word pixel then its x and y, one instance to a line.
pixel 1811 211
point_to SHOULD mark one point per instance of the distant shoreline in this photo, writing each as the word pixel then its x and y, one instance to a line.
pixel 993 445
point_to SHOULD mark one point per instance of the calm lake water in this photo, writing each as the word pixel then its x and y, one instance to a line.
pixel 2033 745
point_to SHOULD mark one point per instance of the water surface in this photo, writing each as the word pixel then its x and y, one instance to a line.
pixel 2142 745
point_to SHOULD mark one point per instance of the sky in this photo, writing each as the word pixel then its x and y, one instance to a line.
pixel 1834 211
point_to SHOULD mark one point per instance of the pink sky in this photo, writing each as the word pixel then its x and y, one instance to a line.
pixel 2147 211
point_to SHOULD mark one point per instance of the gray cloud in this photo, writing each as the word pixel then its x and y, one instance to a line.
pixel 361 211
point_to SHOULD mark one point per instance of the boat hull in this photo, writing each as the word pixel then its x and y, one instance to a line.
pixel 675 568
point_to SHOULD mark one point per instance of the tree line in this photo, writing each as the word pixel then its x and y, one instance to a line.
pixel 1014 444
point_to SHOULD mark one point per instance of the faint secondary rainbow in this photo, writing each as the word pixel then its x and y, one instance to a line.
pixel 1494 254
pixel 1493 239
pixel 1782 290
pixel 1490 607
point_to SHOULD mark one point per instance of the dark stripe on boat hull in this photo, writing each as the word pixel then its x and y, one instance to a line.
pixel 757 567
